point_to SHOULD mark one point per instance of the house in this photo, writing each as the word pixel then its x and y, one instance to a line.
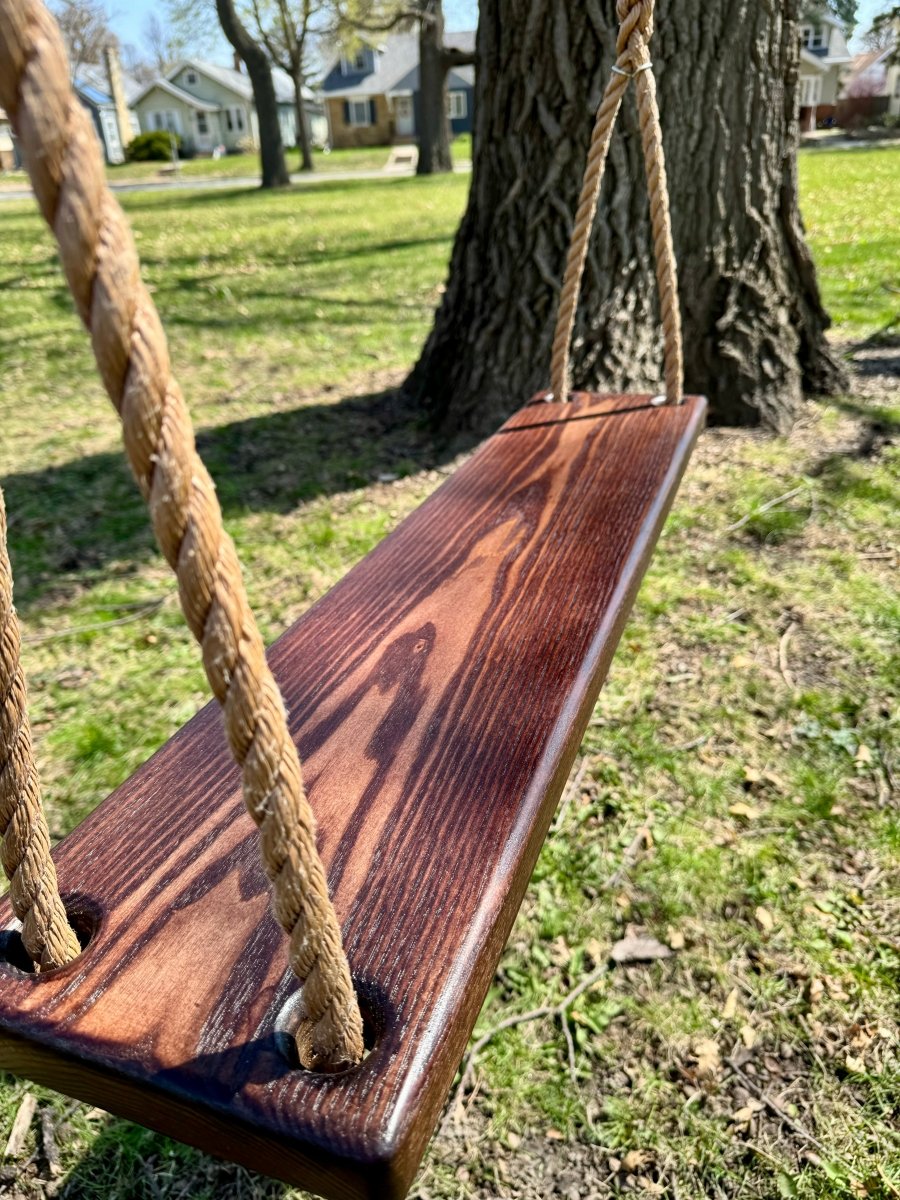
pixel 372 94
pixel 9 158
pixel 106 91
pixel 102 109
pixel 892 85
pixel 875 78
pixel 824 58
pixel 210 105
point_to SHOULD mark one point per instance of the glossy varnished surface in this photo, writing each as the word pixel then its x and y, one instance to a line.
pixel 438 696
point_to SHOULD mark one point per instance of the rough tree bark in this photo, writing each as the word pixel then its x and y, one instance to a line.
pixel 434 133
pixel 274 168
pixel 435 62
pixel 754 323
pixel 306 158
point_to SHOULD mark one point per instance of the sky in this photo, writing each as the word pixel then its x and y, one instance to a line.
pixel 128 18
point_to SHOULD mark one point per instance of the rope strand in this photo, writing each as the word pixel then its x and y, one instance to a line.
pixel 632 62
pixel 33 888
pixel 100 261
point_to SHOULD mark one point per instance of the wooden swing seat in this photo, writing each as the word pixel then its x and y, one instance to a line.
pixel 438 696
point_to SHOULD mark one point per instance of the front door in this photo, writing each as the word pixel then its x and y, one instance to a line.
pixel 203 136
pixel 114 153
pixel 404 116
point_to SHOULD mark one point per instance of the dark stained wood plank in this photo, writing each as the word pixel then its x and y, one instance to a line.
pixel 438 696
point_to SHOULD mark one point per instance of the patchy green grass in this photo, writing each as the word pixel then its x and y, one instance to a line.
pixel 736 792
pixel 852 211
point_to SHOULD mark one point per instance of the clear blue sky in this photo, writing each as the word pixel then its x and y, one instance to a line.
pixel 128 17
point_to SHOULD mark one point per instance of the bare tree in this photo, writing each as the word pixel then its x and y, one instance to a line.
pixel 287 29
pixel 885 32
pixel 252 54
pixel 164 45
pixel 85 30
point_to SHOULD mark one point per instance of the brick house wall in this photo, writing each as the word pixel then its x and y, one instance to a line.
pixel 345 135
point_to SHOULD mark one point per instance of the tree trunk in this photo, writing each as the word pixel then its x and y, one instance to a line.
pixel 274 168
pixel 434 132
pixel 754 325
pixel 306 158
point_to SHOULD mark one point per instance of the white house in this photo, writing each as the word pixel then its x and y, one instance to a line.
pixel 7 149
pixel 824 58
pixel 210 105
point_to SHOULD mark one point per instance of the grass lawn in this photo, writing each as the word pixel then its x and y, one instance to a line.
pixel 852 212
pixel 246 166
pixel 736 794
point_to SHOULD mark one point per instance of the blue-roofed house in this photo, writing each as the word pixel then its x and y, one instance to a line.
pixel 102 109
pixel 107 93
pixel 372 95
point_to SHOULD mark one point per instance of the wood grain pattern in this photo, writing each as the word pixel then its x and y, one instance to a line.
pixel 438 696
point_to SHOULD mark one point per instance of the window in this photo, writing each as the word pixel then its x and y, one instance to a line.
pixel 457 106
pixel 234 119
pixel 810 91
pixel 360 112
pixel 202 124
pixel 168 119
pixel 191 77
pixel 354 64
pixel 813 37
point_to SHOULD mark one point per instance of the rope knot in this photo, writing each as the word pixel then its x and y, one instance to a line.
pixel 635 31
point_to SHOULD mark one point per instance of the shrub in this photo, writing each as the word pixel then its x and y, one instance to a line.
pixel 152 147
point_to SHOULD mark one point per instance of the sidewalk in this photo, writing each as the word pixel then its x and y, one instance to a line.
pixel 17 191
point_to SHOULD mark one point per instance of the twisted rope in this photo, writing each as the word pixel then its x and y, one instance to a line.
pixel 632 62
pixel 100 261
pixel 25 853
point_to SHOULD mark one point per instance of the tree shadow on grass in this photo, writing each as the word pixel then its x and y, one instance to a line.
pixel 127 1162
pixel 150 200
pixel 86 516
pixel 845 473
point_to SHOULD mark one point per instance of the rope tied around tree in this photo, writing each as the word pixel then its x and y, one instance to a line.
pixel 632 62
pixel 63 159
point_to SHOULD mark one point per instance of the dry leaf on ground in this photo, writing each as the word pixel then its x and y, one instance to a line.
pixel 764 919
pixel 638 949
pixel 709 1060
